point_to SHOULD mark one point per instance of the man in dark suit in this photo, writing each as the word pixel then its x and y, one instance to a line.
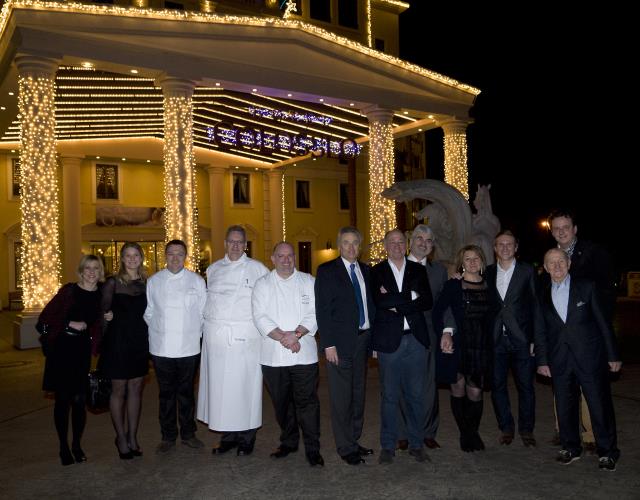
pixel 512 284
pixel 345 311
pixel 402 294
pixel 576 349
pixel 591 261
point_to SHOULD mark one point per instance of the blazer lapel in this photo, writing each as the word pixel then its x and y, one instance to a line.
pixel 515 277
pixel 390 278
pixel 572 305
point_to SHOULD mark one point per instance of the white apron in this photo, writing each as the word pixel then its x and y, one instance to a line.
pixel 230 390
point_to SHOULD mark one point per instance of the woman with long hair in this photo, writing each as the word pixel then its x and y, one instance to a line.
pixel 72 323
pixel 125 351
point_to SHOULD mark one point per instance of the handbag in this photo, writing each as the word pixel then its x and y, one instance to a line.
pixel 98 392
pixel 43 338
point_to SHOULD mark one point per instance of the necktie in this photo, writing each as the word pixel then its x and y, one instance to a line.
pixel 356 287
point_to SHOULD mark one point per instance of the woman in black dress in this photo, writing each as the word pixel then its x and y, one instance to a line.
pixel 73 327
pixel 465 358
pixel 125 350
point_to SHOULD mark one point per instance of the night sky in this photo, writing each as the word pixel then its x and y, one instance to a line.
pixel 550 122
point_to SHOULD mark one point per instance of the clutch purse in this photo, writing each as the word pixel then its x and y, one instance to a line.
pixel 98 392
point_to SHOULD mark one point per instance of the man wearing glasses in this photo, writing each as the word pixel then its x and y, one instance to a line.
pixel 230 391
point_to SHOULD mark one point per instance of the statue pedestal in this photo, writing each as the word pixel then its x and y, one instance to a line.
pixel 25 335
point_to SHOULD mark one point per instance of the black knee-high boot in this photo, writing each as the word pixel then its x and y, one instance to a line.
pixel 458 410
pixel 474 415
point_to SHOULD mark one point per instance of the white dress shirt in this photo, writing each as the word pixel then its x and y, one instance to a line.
pixel 285 303
pixel 503 278
pixel 175 305
pixel 398 274
pixel 560 296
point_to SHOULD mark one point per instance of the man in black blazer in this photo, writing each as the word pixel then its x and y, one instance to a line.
pixel 577 349
pixel 512 285
pixel 402 294
pixel 591 261
pixel 345 311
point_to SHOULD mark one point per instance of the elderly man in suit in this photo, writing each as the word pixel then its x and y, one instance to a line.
pixel 402 294
pixel 345 310
pixel 577 348
pixel 512 284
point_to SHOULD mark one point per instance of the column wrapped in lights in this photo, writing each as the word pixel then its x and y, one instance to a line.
pixel 180 219
pixel 456 172
pixel 382 212
pixel 39 204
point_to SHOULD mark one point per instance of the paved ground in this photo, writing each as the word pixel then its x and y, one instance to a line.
pixel 29 466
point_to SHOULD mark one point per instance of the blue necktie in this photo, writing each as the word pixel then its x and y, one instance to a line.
pixel 356 287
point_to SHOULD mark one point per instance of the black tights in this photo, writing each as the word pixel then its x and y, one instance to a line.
pixel 125 403
pixel 76 402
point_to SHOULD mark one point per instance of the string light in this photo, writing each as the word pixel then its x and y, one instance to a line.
pixel 203 17
pixel 284 211
pixel 289 9
pixel 456 173
pixel 40 259
pixel 180 176
pixel 382 211
pixel 369 30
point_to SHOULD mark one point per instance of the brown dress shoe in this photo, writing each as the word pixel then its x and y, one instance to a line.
pixel 506 438
pixel 403 445
pixel 432 444
pixel 528 440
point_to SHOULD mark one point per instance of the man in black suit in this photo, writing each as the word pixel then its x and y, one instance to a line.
pixel 591 261
pixel 512 285
pixel 576 349
pixel 402 294
pixel 345 311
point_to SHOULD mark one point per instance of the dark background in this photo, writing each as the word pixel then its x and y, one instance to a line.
pixel 552 122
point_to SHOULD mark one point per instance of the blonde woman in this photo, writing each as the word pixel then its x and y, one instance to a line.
pixel 72 322
pixel 125 351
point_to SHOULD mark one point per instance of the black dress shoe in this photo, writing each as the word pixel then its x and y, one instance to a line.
pixel 363 452
pixel 223 447
pixel 78 455
pixel 353 458
pixel 314 458
pixel 244 451
pixel 282 451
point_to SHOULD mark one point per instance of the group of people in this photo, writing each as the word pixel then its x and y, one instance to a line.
pixel 247 325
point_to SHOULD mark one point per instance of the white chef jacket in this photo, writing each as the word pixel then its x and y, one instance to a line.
pixel 175 305
pixel 285 303
pixel 230 388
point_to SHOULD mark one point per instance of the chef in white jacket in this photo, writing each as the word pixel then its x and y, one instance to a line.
pixel 230 391
pixel 285 313
pixel 175 304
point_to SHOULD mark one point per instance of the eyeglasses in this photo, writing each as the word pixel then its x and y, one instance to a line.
pixel 235 243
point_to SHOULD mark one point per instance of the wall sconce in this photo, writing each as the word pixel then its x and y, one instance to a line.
pixel 329 246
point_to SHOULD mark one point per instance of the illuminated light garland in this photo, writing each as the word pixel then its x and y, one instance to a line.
pixel 284 211
pixel 382 211
pixel 456 172
pixel 395 3
pixel 180 187
pixel 277 114
pixel 369 22
pixel 39 203
pixel 193 16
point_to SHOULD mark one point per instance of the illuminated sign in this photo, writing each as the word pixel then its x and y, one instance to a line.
pixel 226 135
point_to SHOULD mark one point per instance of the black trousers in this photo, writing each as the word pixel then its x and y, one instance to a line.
pixel 347 388
pixel 176 377
pixel 294 392
pixel 597 392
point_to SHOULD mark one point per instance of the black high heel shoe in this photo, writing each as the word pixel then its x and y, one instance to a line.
pixel 123 456
pixel 78 454
pixel 137 452
pixel 66 458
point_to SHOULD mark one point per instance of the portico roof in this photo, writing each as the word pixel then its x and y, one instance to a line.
pixel 269 57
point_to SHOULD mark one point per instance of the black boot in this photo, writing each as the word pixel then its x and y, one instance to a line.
pixel 474 415
pixel 458 410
